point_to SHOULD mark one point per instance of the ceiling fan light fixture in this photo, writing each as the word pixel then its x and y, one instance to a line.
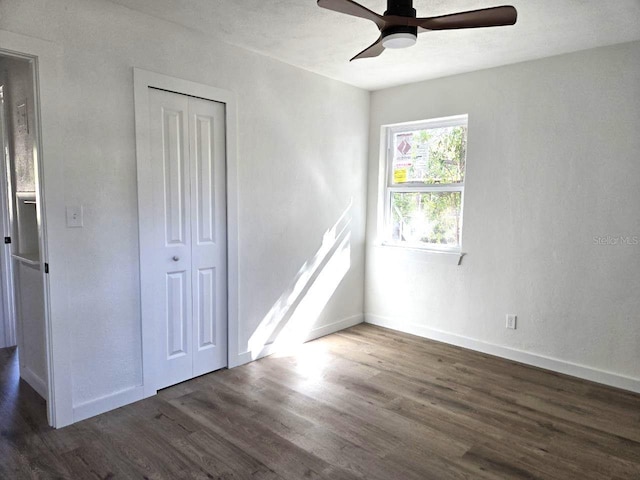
pixel 399 40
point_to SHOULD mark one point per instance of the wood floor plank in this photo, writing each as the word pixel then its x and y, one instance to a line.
pixel 221 459
pixel 365 403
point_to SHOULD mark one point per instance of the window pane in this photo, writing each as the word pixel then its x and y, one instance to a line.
pixel 430 156
pixel 425 219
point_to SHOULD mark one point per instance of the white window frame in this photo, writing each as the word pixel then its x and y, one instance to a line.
pixel 417 187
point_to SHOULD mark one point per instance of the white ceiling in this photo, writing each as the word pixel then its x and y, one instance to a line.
pixel 300 33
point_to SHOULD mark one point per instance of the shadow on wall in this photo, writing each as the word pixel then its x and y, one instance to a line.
pixel 290 320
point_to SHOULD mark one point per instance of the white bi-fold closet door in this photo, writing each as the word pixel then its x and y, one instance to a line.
pixel 188 255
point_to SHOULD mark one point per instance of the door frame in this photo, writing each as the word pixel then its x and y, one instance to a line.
pixel 46 58
pixel 142 81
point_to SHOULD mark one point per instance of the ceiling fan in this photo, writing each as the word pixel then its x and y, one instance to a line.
pixel 399 26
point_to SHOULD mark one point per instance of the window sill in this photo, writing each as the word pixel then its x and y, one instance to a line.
pixel 440 257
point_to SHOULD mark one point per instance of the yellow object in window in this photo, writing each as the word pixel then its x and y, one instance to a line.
pixel 400 176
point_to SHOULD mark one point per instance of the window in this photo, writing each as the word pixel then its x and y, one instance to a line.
pixel 424 190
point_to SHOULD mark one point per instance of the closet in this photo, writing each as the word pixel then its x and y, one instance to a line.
pixel 183 255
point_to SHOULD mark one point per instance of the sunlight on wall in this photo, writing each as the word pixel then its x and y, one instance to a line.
pixel 294 314
pixel 313 302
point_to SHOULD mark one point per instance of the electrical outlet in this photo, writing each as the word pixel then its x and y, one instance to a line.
pixel 512 321
pixel 74 217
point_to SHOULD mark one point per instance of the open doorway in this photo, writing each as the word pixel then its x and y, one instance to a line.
pixel 24 369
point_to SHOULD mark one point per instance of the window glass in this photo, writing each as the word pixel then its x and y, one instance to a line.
pixel 431 218
pixel 430 155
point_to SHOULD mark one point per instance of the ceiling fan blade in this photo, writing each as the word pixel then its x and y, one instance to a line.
pixel 372 51
pixel 487 17
pixel 352 8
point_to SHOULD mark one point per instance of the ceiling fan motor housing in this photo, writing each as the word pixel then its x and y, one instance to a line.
pixel 401 8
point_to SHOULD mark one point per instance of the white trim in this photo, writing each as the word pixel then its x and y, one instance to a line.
pixel 402 253
pixel 47 58
pixel 143 80
pixel 318 332
pixel 242 359
pixel 37 383
pixel 441 122
pixel 548 363
pixel 422 188
pixel 335 327
pixel 108 402
pixel 416 249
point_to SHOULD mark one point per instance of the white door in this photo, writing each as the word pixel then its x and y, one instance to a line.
pixel 209 235
pixel 7 311
pixel 188 255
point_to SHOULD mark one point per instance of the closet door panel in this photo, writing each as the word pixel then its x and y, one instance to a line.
pixel 172 252
pixel 208 207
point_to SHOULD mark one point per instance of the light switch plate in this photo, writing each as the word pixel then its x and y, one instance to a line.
pixel 74 216
pixel 512 321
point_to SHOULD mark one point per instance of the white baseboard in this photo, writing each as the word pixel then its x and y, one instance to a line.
pixel 37 383
pixel 108 402
pixel 318 332
pixel 335 327
pixel 240 359
pixel 548 363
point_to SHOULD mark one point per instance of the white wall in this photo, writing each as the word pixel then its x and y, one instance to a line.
pixel 553 161
pixel 302 159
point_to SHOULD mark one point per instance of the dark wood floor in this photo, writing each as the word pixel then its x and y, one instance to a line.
pixel 364 403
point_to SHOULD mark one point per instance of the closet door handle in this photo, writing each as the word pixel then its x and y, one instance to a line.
pixel 176 258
